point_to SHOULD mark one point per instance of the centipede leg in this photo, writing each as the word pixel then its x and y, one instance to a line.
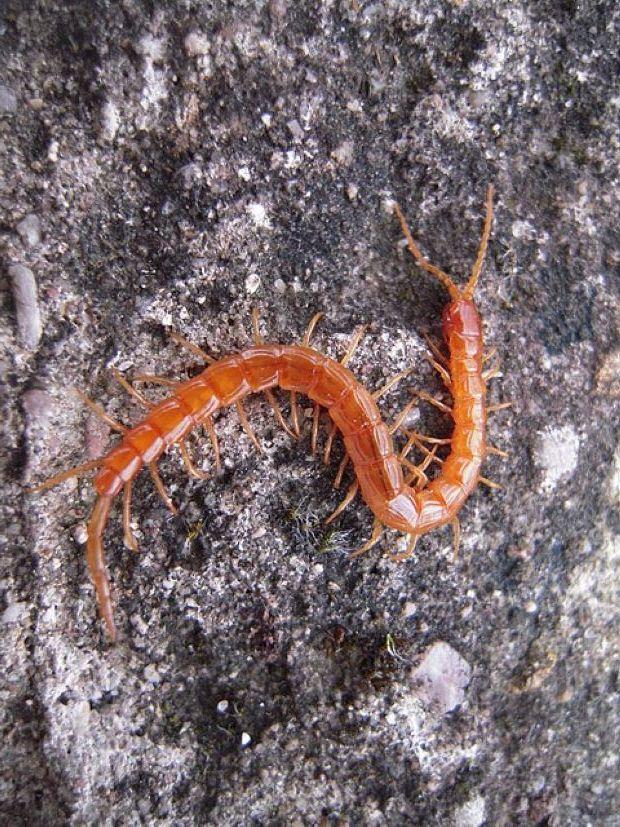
pixel 161 489
pixel 357 338
pixel 133 392
pixel 391 382
pixel 276 409
pixel 405 555
pixel 428 398
pixel 128 535
pixel 295 414
pixel 155 380
pixel 350 495
pixel 435 350
pixel 489 483
pixel 499 407
pixel 187 461
pixel 96 563
pixel 329 443
pixel 341 469
pixel 377 531
pixel 402 416
pixel 315 428
pixel 415 474
pixel 247 428
pixel 489 355
pixel 197 351
pixel 491 373
pixel 116 426
pixel 491 449
pixel 76 471
pixel 441 371
pixel 207 423
pixel 310 329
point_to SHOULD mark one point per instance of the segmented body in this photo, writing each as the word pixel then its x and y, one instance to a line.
pixel 353 410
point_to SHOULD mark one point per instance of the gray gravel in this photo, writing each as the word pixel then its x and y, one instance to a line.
pixel 173 165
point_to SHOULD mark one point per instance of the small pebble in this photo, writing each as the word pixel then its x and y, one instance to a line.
pixel 38 405
pixel 29 228
pixel 343 154
pixel 14 612
pixel 352 192
pixel 8 100
pixel 252 283
pixel 279 285
pixel 26 305
pixel 245 739
pixel 109 121
pixel 196 44
pixel 441 677
pixel 222 707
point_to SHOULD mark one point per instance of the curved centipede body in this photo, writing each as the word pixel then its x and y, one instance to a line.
pixel 411 504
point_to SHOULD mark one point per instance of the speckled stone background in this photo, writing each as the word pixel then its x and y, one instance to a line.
pixel 170 165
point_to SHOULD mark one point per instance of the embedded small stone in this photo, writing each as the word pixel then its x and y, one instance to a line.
pixel 441 677
pixel 29 228
pixel 196 44
pixel 8 100
pixel 26 305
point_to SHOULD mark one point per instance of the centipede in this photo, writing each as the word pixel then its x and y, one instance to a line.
pixel 399 493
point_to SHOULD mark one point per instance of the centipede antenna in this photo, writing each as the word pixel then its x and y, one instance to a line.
pixel 468 292
pixel 423 262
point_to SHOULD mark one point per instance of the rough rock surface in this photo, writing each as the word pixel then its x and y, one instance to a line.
pixel 187 161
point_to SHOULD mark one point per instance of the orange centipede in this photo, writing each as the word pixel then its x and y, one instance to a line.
pixel 399 493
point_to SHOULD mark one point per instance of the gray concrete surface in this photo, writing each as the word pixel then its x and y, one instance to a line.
pixel 172 165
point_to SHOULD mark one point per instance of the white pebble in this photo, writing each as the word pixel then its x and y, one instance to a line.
pixel 279 285
pixel 29 229
pixel 8 100
pixel 245 739
pixel 258 214
pixel 196 44
pixel 222 707
pixel 26 305
pixel 14 612
pixel 556 454
pixel 252 283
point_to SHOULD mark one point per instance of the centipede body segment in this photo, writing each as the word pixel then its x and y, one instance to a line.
pixel 408 502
